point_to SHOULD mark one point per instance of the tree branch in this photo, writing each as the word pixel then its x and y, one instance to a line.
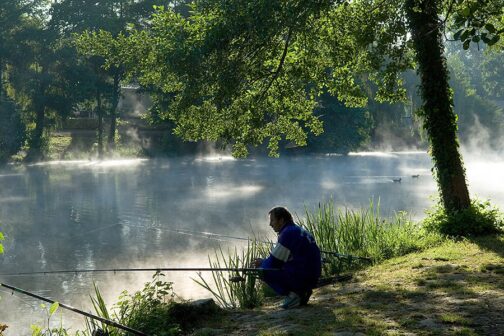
pixel 276 74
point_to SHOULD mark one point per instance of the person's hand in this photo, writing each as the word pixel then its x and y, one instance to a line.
pixel 257 262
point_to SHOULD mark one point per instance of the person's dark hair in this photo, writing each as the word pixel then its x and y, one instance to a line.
pixel 281 212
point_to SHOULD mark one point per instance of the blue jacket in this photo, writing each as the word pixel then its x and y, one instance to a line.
pixel 297 253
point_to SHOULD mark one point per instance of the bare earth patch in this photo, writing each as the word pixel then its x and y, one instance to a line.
pixel 454 289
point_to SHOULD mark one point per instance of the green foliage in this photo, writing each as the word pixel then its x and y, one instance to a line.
pixel 364 233
pixel 46 329
pixel 253 72
pixel 476 21
pixel 148 310
pixel 246 293
pixel 480 218
pixel 345 129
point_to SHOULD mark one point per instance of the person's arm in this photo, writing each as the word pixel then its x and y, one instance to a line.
pixel 280 253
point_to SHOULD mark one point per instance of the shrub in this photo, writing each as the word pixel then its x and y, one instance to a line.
pixel 480 218
pixel 148 310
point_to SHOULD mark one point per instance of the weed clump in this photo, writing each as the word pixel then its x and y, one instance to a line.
pixel 481 218
pixel 153 310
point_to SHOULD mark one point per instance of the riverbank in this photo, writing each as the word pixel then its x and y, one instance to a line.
pixel 456 288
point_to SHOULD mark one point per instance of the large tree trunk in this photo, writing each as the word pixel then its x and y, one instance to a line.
pixel 36 146
pixel 113 111
pixel 99 112
pixel 439 119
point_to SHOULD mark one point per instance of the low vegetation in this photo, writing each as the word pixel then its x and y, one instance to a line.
pixel 148 310
pixel 153 310
pixel 479 219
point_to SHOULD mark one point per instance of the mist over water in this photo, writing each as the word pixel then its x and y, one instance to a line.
pixel 125 214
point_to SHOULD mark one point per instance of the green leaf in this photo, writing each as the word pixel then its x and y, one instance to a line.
pixel 458 33
pixel 53 308
pixel 2 236
pixel 1 249
pixel 494 40
pixel 465 35
pixel 476 38
pixel 466 11
pixel 466 44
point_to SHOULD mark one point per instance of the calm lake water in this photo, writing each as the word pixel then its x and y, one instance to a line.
pixel 125 213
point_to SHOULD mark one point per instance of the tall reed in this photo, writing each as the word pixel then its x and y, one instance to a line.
pixel 363 232
pixel 235 294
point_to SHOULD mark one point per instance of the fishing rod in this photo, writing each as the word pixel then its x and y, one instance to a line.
pixel 212 235
pixel 161 269
pixel 75 310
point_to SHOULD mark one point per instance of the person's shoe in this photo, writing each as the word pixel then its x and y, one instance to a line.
pixel 291 301
pixel 305 297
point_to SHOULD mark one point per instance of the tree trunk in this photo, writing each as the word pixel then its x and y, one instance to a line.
pixel 35 151
pixel 437 113
pixel 99 112
pixel 113 111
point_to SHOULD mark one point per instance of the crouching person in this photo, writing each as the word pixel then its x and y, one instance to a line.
pixel 297 256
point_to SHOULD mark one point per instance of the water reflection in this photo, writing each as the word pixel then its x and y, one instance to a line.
pixel 151 213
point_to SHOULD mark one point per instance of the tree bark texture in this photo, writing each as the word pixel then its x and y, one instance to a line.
pixel 100 124
pixel 439 119
pixel 113 111
pixel 35 151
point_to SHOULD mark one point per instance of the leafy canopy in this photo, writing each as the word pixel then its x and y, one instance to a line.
pixel 248 72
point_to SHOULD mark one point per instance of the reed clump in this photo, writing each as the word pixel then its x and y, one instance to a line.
pixel 364 232
pixel 238 290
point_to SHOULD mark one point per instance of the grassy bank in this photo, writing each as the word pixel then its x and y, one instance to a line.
pixel 456 288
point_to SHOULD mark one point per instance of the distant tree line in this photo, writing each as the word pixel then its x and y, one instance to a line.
pixel 43 78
